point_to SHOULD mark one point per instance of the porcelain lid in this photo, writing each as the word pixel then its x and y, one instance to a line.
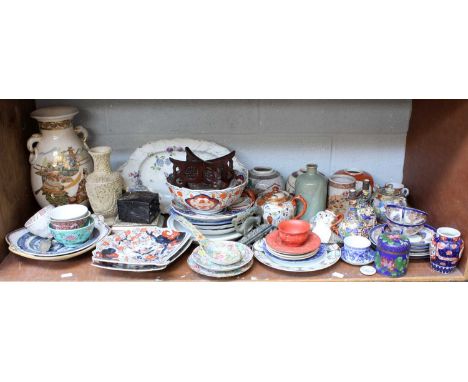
pixel 274 197
pixel 394 242
pixel 54 113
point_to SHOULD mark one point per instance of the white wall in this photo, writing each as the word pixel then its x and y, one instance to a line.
pixel 282 134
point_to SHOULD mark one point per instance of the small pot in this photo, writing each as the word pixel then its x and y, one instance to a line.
pixel 280 205
pixel 294 232
pixel 392 255
pixel 446 249
pixel 70 224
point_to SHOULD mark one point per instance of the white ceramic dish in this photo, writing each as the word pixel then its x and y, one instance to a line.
pixel 68 212
pixel 149 166
pixel 205 262
pixel 38 224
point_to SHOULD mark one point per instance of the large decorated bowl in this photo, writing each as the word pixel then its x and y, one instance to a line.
pixel 405 220
pixel 210 201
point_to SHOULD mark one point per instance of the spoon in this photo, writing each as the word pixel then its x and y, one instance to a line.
pixel 219 252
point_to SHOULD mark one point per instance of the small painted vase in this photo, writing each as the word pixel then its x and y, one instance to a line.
pixel 446 249
pixel 278 206
pixel 392 255
pixel 265 179
pixel 351 225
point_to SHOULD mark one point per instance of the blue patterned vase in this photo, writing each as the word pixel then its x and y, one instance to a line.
pixel 446 249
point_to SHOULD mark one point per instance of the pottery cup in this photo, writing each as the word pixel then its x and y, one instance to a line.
pixel 38 224
pixel 294 232
pixel 357 250
pixel 69 216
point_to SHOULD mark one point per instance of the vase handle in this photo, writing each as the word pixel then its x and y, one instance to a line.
pixel 304 203
pixel 32 147
pixel 83 134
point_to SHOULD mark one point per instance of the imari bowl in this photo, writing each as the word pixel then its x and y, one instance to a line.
pixel 72 237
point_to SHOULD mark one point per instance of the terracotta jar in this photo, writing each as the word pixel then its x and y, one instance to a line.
pixel 359 176
pixel 278 206
pixel 384 196
pixel 59 157
pixel 104 187
pixel 338 192
pixel 265 179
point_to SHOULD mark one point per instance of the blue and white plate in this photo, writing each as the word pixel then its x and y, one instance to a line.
pixel 23 241
pixel 326 257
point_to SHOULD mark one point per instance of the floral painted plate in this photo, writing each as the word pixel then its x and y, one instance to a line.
pixel 22 242
pixel 141 245
pixel 326 257
pixel 175 225
pixel 205 272
pixel 150 165
pixel 204 261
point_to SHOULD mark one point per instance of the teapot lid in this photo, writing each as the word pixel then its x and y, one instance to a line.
pixel 275 196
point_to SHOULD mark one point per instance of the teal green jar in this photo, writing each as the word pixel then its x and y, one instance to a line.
pixel 312 185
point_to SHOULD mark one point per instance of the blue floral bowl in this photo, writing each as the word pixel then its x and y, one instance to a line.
pixel 73 237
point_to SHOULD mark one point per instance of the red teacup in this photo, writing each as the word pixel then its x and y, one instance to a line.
pixel 294 232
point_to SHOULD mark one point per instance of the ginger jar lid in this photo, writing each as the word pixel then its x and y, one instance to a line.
pixel 393 242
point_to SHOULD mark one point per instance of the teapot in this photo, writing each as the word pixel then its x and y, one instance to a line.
pixel 280 205
pixel 384 196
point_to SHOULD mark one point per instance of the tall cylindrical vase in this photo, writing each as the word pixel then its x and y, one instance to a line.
pixel 312 186
pixel 104 186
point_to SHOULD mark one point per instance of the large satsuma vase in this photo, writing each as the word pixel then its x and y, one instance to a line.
pixel 59 158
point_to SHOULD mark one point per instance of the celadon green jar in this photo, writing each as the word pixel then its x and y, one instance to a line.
pixel 313 187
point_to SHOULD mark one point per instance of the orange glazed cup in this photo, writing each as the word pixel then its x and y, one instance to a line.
pixel 294 232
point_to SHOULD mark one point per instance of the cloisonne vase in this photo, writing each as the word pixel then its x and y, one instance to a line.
pixel 59 158
pixel 392 255
pixel 312 186
pixel 104 187
pixel 446 249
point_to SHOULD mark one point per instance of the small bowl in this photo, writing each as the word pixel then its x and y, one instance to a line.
pixel 73 237
pixel 68 212
pixel 38 224
pixel 357 250
pixel 294 232
pixel 405 220
pixel 70 224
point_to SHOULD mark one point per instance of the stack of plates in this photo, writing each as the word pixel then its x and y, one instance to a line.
pixel 278 249
pixel 419 243
pixel 202 264
pixel 140 249
pixel 26 244
pixel 216 226
pixel 325 257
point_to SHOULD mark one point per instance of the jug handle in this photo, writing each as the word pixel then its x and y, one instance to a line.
pixel 83 134
pixel 304 203
pixel 32 147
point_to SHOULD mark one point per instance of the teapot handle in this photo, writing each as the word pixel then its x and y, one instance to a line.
pixel 83 134
pixel 249 192
pixel 32 147
pixel 304 203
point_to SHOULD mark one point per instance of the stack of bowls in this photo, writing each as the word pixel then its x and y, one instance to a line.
pixel 71 224
pixel 405 220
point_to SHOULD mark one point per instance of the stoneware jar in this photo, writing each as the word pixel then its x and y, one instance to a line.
pixel 312 186
pixel 446 249
pixel 338 192
pixel 384 196
pixel 104 187
pixel 59 158
pixel 358 175
pixel 392 255
pixel 278 206
pixel 264 179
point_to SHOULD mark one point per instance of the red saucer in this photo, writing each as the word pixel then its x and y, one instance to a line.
pixel 274 242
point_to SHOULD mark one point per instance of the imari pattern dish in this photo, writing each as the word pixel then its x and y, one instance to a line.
pixel 141 245
pixel 24 243
pixel 326 257
pixel 149 165
pixel 200 258
pixel 206 272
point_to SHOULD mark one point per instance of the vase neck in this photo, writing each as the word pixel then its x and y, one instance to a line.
pixel 101 158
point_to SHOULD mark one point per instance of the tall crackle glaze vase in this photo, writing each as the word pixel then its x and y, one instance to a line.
pixel 104 186
pixel 59 157
pixel 312 186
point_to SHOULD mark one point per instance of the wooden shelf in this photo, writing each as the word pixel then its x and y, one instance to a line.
pixel 16 268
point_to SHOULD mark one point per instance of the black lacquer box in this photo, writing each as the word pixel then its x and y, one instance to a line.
pixel 138 207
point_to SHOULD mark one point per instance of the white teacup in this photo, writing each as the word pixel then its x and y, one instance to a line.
pixel 38 224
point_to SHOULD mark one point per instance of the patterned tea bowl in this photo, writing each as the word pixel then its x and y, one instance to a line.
pixel 405 220
pixel 357 250
pixel 209 201
pixel 72 237
pixel 70 224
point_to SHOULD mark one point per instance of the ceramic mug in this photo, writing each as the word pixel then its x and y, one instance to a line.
pixel 357 250
pixel 338 191
pixel 446 249
pixel 399 188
